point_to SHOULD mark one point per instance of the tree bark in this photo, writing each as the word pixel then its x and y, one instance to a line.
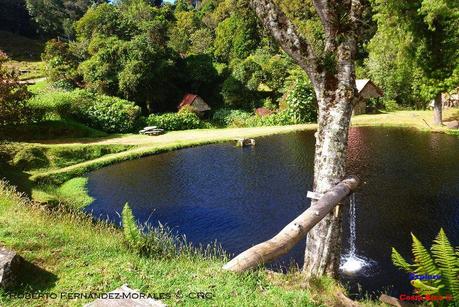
pixel 438 111
pixel 333 77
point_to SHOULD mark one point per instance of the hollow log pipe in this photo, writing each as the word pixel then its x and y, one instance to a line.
pixel 296 230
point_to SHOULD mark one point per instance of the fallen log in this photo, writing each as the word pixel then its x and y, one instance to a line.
pixel 288 237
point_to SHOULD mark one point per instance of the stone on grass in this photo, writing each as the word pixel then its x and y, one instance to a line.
pixel 10 266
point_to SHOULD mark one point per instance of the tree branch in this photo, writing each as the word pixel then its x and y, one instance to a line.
pixel 329 21
pixel 286 34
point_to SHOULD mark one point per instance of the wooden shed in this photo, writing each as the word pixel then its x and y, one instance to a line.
pixel 195 103
pixel 367 89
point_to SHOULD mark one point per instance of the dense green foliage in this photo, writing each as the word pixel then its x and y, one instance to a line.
pixel 154 55
pixel 107 113
pixel 176 121
pixel 57 16
pixel 301 107
pixel 414 54
pixel 14 108
pixel 442 260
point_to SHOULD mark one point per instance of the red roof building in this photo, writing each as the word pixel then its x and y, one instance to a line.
pixel 195 103
pixel 263 112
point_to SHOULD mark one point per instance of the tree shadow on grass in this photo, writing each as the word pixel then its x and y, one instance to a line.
pixel 32 279
pixel 16 177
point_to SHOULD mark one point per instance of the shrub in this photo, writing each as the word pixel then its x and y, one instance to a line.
pixel 391 105
pixel 442 260
pixel 277 119
pixel 107 113
pixel 14 108
pixel 61 63
pixel 230 117
pixel 239 118
pixel 301 103
pixel 175 121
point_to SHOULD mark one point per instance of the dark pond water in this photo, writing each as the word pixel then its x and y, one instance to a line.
pixel 241 197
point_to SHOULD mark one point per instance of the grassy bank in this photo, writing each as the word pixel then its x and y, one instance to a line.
pixel 421 120
pixel 70 253
pixel 43 168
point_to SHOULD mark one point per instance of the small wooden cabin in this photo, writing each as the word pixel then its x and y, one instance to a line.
pixel 195 103
pixel 367 89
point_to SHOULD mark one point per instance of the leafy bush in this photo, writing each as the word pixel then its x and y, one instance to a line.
pixel 230 117
pixel 61 63
pixel 175 121
pixel 14 108
pixel 442 260
pixel 110 114
pixel 107 113
pixel 277 119
pixel 391 105
pixel 239 118
pixel 301 103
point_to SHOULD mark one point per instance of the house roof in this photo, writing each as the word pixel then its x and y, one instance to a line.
pixel 187 100
pixel 263 111
pixel 360 84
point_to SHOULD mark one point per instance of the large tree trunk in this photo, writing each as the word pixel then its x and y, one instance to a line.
pixel 335 98
pixel 323 241
pixel 437 110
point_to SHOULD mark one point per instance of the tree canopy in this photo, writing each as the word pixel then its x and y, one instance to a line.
pixel 153 53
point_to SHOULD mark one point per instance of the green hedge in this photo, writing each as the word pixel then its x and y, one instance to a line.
pixel 239 118
pixel 176 121
pixel 107 113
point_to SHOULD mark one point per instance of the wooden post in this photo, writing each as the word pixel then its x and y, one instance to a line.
pixel 288 237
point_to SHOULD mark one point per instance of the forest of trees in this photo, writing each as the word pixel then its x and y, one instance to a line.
pixel 152 52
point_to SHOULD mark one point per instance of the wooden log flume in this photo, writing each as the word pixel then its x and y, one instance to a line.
pixel 288 237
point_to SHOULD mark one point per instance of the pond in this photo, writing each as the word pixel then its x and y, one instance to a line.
pixel 241 197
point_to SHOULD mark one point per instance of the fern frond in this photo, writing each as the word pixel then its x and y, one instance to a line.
pixel 424 288
pixel 422 259
pixel 447 261
pixel 132 234
pixel 400 262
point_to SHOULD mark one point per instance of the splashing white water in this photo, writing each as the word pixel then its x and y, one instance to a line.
pixel 352 225
pixel 351 263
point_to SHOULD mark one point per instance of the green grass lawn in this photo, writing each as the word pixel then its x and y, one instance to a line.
pixel 422 120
